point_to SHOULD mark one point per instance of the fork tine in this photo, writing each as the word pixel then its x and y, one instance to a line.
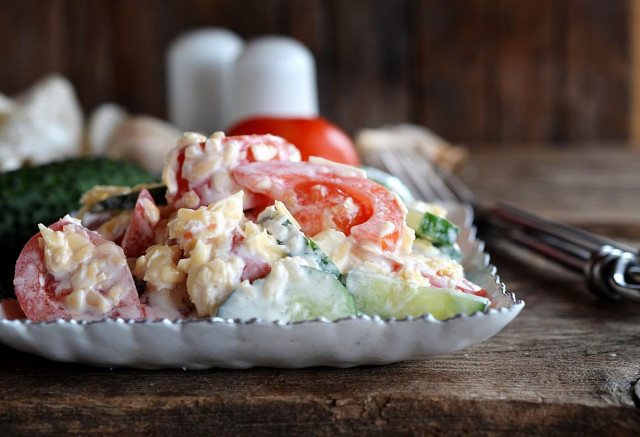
pixel 424 171
pixel 396 165
pixel 418 172
pixel 612 270
pixel 454 185
pixel 372 158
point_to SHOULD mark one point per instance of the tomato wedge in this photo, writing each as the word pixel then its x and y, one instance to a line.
pixel 469 287
pixel 141 232
pixel 254 266
pixel 465 285
pixel 90 281
pixel 198 173
pixel 10 310
pixel 326 196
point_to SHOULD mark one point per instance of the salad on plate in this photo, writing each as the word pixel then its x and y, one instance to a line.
pixel 244 230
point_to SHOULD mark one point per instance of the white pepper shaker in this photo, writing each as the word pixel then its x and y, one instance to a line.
pixel 200 69
pixel 275 76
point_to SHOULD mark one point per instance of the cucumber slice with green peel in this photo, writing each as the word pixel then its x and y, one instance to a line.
pixel 451 252
pixel 324 262
pixel 128 201
pixel 390 182
pixel 277 221
pixel 427 248
pixel 431 227
pixel 304 294
pixel 385 297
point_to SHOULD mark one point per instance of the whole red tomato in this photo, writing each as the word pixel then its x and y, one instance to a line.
pixel 313 136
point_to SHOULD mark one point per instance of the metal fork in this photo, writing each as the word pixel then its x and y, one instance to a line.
pixel 611 269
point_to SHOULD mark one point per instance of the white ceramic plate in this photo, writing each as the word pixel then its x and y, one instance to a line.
pixel 215 342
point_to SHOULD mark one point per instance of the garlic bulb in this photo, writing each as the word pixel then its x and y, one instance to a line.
pixel 43 124
pixel 102 124
pixel 145 140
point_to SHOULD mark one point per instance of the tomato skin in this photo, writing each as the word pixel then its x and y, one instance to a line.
pixel 465 285
pixel 181 195
pixel 316 194
pixel 254 267
pixel 36 288
pixel 312 136
pixel 141 232
pixel 10 310
pixel 471 288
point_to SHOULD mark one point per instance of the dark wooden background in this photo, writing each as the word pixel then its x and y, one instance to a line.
pixel 475 71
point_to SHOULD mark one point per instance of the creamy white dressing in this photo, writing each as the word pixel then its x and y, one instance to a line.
pixel 208 249
pixel 339 168
pixel 202 164
pixel 150 212
pixel 172 304
pixel 210 283
pixel 207 166
pixel 263 152
pixel 279 223
pixel 90 274
pixel 159 268
pixel 268 297
pixel 260 244
pixel 214 223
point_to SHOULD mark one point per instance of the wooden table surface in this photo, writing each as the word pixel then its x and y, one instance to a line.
pixel 568 364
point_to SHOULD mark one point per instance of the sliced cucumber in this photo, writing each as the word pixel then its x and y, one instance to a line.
pixel 451 252
pixel 299 295
pixel 376 294
pixel 322 259
pixel 128 201
pixel 428 249
pixel 277 221
pixel 431 227
pixel 389 181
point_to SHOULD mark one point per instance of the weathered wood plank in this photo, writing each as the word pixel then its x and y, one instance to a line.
pixel 598 69
pixel 449 74
pixel 33 42
pixel 634 117
pixel 520 69
pixel 369 72
pixel 474 71
pixel 93 73
pixel 597 188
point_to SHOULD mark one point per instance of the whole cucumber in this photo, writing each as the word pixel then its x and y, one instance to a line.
pixel 45 193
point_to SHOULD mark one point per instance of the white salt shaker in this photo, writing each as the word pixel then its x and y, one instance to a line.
pixel 200 68
pixel 275 76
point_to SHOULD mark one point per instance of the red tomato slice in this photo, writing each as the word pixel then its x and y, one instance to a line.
pixel 321 197
pixel 254 266
pixel 141 232
pixel 469 287
pixel 10 310
pixel 204 177
pixel 42 297
pixel 313 136
pixel 465 286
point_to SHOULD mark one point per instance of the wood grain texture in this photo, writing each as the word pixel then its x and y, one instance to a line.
pixel 590 190
pixel 593 45
pixel 474 71
pixel 634 117
pixel 567 365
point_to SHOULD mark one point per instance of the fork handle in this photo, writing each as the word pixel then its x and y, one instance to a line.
pixel 610 268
